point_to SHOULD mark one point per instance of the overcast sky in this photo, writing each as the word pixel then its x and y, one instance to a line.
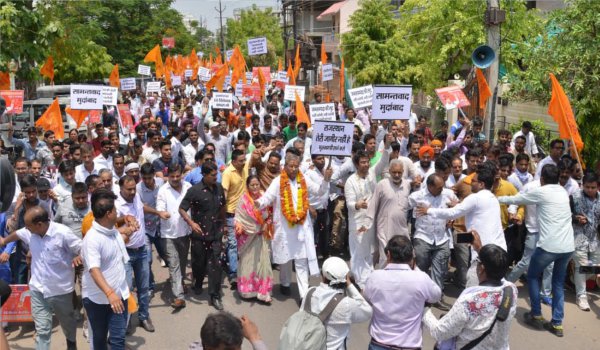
pixel 205 9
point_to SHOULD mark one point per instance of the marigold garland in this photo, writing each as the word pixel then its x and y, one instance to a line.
pixel 287 204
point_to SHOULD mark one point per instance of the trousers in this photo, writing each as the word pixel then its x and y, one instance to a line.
pixel 285 275
pixel 206 261
pixel 41 311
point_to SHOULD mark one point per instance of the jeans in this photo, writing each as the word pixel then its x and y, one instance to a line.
pixel 462 256
pixel 232 253
pixel 177 254
pixel 160 249
pixel 42 309
pixel 539 260
pixel 138 266
pixel 434 256
pixel 521 267
pixel 583 258
pixel 104 322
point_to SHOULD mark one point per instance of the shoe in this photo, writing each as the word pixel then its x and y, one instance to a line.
pixel 162 262
pixel 130 328
pixel 197 290
pixel 441 305
pixel 178 304
pixel 217 303
pixel 71 345
pixel 287 291
pixel 546 300
pixel 233 284
pixel 147 325
pixel 556 330
pixel 583 304
pixel 536 322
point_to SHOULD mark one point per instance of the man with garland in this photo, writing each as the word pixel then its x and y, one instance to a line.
pixel 293 240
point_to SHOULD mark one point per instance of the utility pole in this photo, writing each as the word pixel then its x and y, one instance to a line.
pixel 493 18
pixel 221 10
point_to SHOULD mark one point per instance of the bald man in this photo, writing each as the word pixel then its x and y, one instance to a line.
pixel 54 252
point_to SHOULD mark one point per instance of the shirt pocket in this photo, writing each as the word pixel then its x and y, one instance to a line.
pixel 53 254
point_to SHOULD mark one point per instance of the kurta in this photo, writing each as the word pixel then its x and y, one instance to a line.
pixel 292 242
pixel 387 209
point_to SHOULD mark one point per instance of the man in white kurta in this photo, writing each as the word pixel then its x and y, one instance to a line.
pixel 293 242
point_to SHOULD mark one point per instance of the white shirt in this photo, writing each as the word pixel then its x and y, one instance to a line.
pixel 554 216
pixel 538 171
pixel 104 249
pixel 150 154
pixel 135 209
pixel 51 257
pixel 317 201
pixel 453 181
pixel 189 152
pixel 63 191
pixel 482 214
pixel 81 172
pixel 429 229
pixel 103 163
pixel 168 199
pixel 514 179
pixel 531 222
pixel 530 146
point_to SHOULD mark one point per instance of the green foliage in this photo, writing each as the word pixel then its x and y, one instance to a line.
pixel 569 49
pixel 543 135
pixel 253 23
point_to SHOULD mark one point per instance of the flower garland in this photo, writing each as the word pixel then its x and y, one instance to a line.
pixel 287 204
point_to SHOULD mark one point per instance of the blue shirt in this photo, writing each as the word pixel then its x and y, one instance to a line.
pixel 195 176
pixel 30 151
pixel 164 116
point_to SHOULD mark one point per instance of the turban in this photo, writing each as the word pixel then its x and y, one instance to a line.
pixel 425 149
pixel 436 143
pixel 132 166
pixel 335 270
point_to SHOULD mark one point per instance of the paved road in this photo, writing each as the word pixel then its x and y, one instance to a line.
pixel 176 330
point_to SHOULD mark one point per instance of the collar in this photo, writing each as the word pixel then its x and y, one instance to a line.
pixel 392 266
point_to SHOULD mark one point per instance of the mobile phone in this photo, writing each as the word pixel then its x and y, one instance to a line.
pixel 464 237
pixel 589 269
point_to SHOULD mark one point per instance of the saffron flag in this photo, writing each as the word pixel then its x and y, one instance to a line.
pixel 238 64
pixel 78 115
pixel 297 62
pixel 279 65
pixel 261 83
pixel 4 81
pixel 301 114
pixel 47 69
pixel 113 80
pixel 562 113
pixel 290 73
pixel 52 120
pixel 483 87
pixel 218 79
pixel 323 53
pixel 154 56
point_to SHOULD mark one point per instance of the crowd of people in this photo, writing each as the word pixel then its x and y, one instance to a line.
pixel 239 192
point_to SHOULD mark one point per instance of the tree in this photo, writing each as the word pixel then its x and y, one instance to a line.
pixel 205 39
pixel 253 23
pixel 569 49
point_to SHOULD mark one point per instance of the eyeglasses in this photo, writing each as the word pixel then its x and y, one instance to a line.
pixel 209 160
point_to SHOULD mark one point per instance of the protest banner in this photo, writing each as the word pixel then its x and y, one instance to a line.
pixel 143 70
pixel 152 86
pixel 109 95
pixel 257 46
pixel 14 100
pixel 239 89
pixel 251 91
pixel 17 307
pixel 321 111
pixel 95 117
pixel 282 76
pixel 128 84
pixel 290 92
pixel 361 96
pixel 227 81
pixel 266 71
pixel 452 97
pixel 327 70
pixel 204 74
pixel 391 102
pixel 228 55
pixel 86 96
pixel 176 80
pixel 188 73
pixel 125 119
pixel 332 138
pixel 168 42
pixel 222 100
pixel 215 67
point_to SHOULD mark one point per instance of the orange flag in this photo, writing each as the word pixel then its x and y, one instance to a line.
pixel 218 79
pixel 562 113
pixel 168 79
pixel 279 65
pixel 238 64
pixel 78 115
pixel 114 77
pixel 297 62
pixel 290 73
pixel 484 89
pixel 210 60
pixel 52 120
pixel 47 69
pixel 154 56
pixel 194 63
pixel 301 112
pixel 323 53
pixel 261 83
pixel 342 81
pixel 4 81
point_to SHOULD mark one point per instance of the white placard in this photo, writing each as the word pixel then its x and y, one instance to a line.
pixel 322 111
pixel 222 100
pixel 128 84
pixel 361 96
pixel 110 95
pixel 327 72
pixel 239 89
pixel 227 81
pixel 152 86
pixel 143 70
pixel 86 96
pixel 204 74
pixel 282 76
pixel 289 93
pixel 391 102
pixel 188 73
pixel 228 54
pixel 332 138
pixel 176 80
pixel 257 46
pixel 248 77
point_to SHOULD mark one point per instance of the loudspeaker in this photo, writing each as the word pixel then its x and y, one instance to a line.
pixel 483 56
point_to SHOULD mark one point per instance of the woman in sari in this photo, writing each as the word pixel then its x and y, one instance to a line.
pixel 253 229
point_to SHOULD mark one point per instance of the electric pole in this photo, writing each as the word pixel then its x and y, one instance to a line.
pixel 221 10
pixel 493 18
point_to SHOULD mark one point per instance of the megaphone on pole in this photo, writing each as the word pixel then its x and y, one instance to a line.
pixel 483 56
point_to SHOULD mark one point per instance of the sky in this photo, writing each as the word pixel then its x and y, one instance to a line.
pixel 205 9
